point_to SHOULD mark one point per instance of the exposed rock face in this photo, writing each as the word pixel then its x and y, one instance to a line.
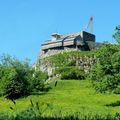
pixel 45 65
pixel 84 62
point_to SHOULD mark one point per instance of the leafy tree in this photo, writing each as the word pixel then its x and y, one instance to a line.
pixel 15 77
pixel 116 36
pixel 105 74
pixel 116 62
pixel 104 56
pixel 18 78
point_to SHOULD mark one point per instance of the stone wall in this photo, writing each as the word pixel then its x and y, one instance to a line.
pixel 85 62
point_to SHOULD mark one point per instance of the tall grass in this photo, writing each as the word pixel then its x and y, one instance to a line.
pixel 68 100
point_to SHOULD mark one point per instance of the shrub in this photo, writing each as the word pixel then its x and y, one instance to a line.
pixel 38 81
pixel 62 69
pixel 104 56
pixel 117 90
pixel 73 73
pixel 116 62
pixel 105 75
pixel 96 73
pixel 106 84
pixel 17 78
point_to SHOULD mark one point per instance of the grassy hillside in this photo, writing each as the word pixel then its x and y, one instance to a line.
pixel 67 97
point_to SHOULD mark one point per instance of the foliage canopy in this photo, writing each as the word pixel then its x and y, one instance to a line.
pixel 116 36
pixel 18 78
pixel 105 75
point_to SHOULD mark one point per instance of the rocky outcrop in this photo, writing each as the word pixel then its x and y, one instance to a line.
pixel 83 61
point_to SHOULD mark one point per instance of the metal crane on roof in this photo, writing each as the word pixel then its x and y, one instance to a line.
pixel 90 24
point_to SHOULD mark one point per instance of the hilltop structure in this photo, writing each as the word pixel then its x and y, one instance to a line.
pixel 82 41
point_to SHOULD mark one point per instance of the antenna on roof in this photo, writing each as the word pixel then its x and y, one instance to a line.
pixel 90 24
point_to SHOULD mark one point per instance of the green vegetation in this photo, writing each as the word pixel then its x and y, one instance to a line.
pixel 26 94
pixel 116 36
pixel 105 75
pixel 38 81
pixel 67 64
pixel 69 99
pixel 67 72
pixel 17 78
pixel 68 58
pixel 73 73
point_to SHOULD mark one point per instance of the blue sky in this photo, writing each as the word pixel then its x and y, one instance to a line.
pixel 25 24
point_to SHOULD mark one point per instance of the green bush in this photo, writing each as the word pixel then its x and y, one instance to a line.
pixel 17 78
pixel 115 61
pixel 96 73
pixel 104 55
pixel 32 114
pixel 73 73
pixel 117 90
pixel 62 69
pixel 106 84
pixel 38 81
pixel 105 75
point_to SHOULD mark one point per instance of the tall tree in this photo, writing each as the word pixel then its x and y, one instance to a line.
pixel 116 36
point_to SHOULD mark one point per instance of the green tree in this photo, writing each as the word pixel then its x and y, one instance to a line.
pixel 104 56
pixel 18 78
pixel 116 36
pixel 105 74
pixel 15 77
pixel 116 62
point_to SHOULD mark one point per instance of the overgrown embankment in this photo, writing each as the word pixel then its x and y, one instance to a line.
pixel 83 60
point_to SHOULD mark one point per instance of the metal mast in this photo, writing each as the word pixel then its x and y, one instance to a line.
pixel 91 24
